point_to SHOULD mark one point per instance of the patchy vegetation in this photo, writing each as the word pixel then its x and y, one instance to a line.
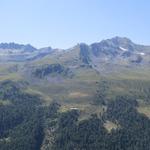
pixel 27 124
pixel 52 69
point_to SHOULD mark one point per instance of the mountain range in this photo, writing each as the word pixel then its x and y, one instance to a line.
pixel 118 50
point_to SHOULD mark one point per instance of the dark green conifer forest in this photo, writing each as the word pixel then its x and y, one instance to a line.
pixel 24 123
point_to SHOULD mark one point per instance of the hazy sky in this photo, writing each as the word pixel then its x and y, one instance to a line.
pixel 64 23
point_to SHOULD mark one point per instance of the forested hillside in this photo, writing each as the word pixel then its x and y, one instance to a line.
pixel 28 123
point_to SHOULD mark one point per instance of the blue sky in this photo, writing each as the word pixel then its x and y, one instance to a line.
pixel 64 23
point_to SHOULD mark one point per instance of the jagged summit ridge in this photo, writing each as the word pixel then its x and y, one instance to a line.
pixel 117 49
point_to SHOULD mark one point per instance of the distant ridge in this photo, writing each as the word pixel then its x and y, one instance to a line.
pixel 17 46
pixel 117 50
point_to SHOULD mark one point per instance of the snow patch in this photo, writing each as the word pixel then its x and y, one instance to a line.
pixel 123 49
pixel 141 54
